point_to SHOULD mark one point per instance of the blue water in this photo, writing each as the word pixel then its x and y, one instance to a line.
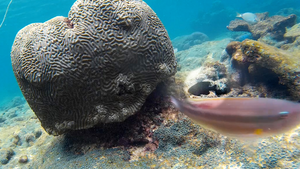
pixel 179 17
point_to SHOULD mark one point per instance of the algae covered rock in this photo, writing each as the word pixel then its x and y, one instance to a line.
pixel 96 66
pixel 258 60
pixel 202 69
pixel 275 25
pixel 293 33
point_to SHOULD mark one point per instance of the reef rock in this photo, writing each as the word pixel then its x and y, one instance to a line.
pixel 185 42
pixel 293 33
pixel 210 77
pixel 292 47
pixel 202 69
pixel 257 61
pixel 194 57
pixel 275 25
pixel 96 66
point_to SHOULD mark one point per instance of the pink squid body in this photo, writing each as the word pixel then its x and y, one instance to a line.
pixel 242 117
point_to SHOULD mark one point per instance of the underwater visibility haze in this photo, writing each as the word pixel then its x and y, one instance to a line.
pixel 150 84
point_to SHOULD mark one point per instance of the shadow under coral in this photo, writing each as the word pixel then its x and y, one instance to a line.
pixel 158 131
pixel 136 131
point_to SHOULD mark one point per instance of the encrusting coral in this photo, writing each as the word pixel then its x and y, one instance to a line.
pixel 96 66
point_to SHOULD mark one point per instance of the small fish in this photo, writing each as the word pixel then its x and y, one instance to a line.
pixel 242 118
pixel 175 50
pixel 248 17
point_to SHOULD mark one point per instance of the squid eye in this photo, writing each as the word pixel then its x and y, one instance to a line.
pixel 283 114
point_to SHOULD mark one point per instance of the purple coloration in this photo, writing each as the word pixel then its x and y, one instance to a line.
pixel 242 117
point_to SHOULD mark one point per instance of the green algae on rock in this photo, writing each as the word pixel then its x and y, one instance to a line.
pixel 96 66
pixel 260 60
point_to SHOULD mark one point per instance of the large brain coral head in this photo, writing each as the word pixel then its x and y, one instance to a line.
pixel 96 66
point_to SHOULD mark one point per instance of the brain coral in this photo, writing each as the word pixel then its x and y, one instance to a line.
pixel 96 66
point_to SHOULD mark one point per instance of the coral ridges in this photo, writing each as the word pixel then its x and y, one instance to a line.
pixel 128 144
pixel 98 65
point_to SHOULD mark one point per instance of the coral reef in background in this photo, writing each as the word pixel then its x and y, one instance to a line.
pixel 258 62
pixel 289 11
pixel 186 42
pixel 244 69
pixel 96 66
pixel 274 25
